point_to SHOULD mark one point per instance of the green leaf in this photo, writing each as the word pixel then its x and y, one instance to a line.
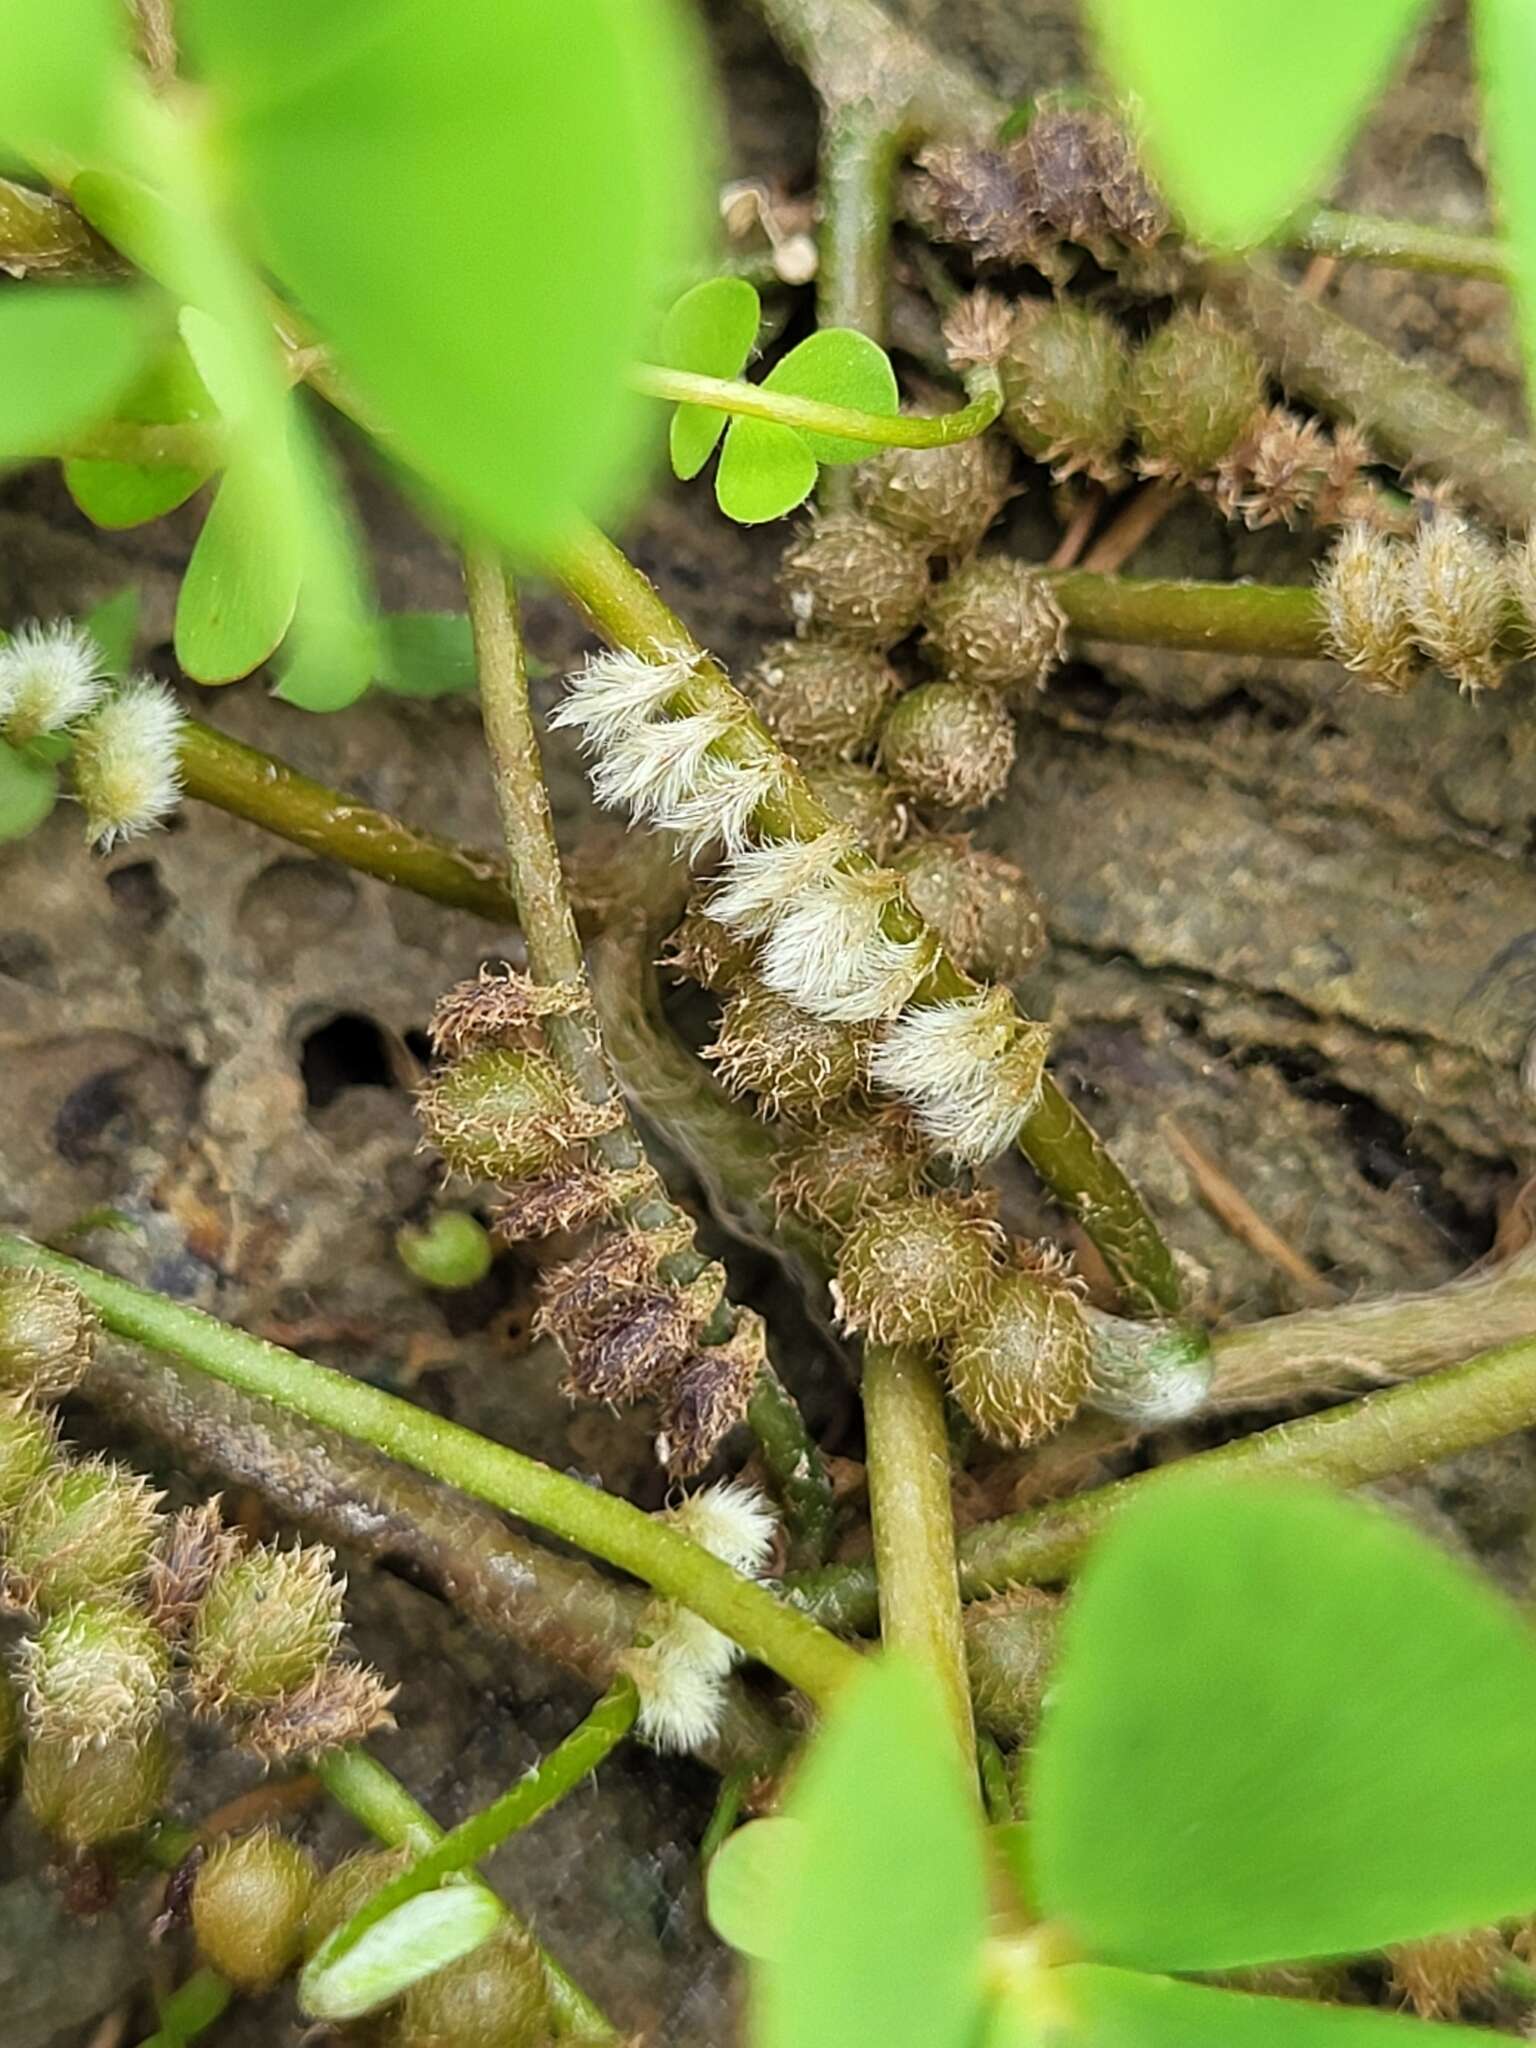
pixel 882 1939
pixel 28 792
pixel 1247 104
pixel 113 625
pixel 1283 1726
pixel 750 1885
pixel 711 331
pixel 1506 51
pixel 765 471
pixel 332 653
pixel 66 351
pixel 535 169
pixel 60 61
pixel 1083 2006
pixel 242 583
pixel 122 494
pixel 426 654
pixel 839 366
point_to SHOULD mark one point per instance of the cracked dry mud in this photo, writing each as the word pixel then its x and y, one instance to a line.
pixel 1296 919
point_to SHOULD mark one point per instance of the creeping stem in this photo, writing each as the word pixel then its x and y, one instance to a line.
pixel 843 423
pixel 766 1628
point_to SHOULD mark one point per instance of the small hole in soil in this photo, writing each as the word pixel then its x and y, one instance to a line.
pixel 348 1052
pixel 139 896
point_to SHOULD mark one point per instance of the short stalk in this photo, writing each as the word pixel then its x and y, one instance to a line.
pixel 249 784
pixel 566 1767
pixel 1056 1139
pixel 811 415
pixel 912 1519
pixel 377 1799
pixel 765 1627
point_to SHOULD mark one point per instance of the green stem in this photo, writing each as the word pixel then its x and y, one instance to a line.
pixel 727 1811
pixel 912 1519
pixel 766 1628
pixel 1406 244
pixel 381 1803
pixel 191 2008
pixel 861 145
pixel 249 784
pixel 566 1767
pixel 1408 415
pixel 1492 1395
pixel 1058 1142
pixel 1208 618
pixel 843 423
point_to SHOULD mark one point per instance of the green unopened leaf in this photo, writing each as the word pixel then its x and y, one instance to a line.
pixel 1083 2006
pixel 710 330
pixel 60 62
pixel 28 792
pixel 477 206
pixel 765 471
pixel 882 1938
pixel 424 1935
pixel 751 1882
pixel 123 494
pixel 1247 104
pixel 242 583
pixel 1283 1725
pixel 66 351
pixel 113 625
pixel 1506 50
pixel 839 366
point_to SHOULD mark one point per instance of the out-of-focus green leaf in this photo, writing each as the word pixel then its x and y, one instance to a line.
pixel 1083 2006
pixel 114 626
pixel 1283 1725
pixel 1247 104
pixel 839 366
pixel 333 651
pixel 238 594
pixel 882 1938
pixel 710 330
pixel 765 471
pixel 66 351
pixel 28 792
pixel 426 654
pixel 60 63
pixel 1506 50
pixel 122 494
pixel 751 1882
pixel 476 205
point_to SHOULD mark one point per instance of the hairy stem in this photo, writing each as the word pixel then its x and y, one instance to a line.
pixel 1407 414
pixel 1404 244
pixel 913 1523
pixel 811 415
pixel 1056 1139
pixel 381 1803
pixel 765 1628
pixel 555 955
pixel 1492 1395
pixel 256 786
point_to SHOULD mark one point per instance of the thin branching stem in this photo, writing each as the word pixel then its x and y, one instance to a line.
pixel 1398 1430
pixel 376 1798
pixel 766 1628
pixel 533 1794
pixel 1401 244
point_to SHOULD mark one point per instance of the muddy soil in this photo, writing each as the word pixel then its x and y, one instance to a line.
pixel 1297 920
